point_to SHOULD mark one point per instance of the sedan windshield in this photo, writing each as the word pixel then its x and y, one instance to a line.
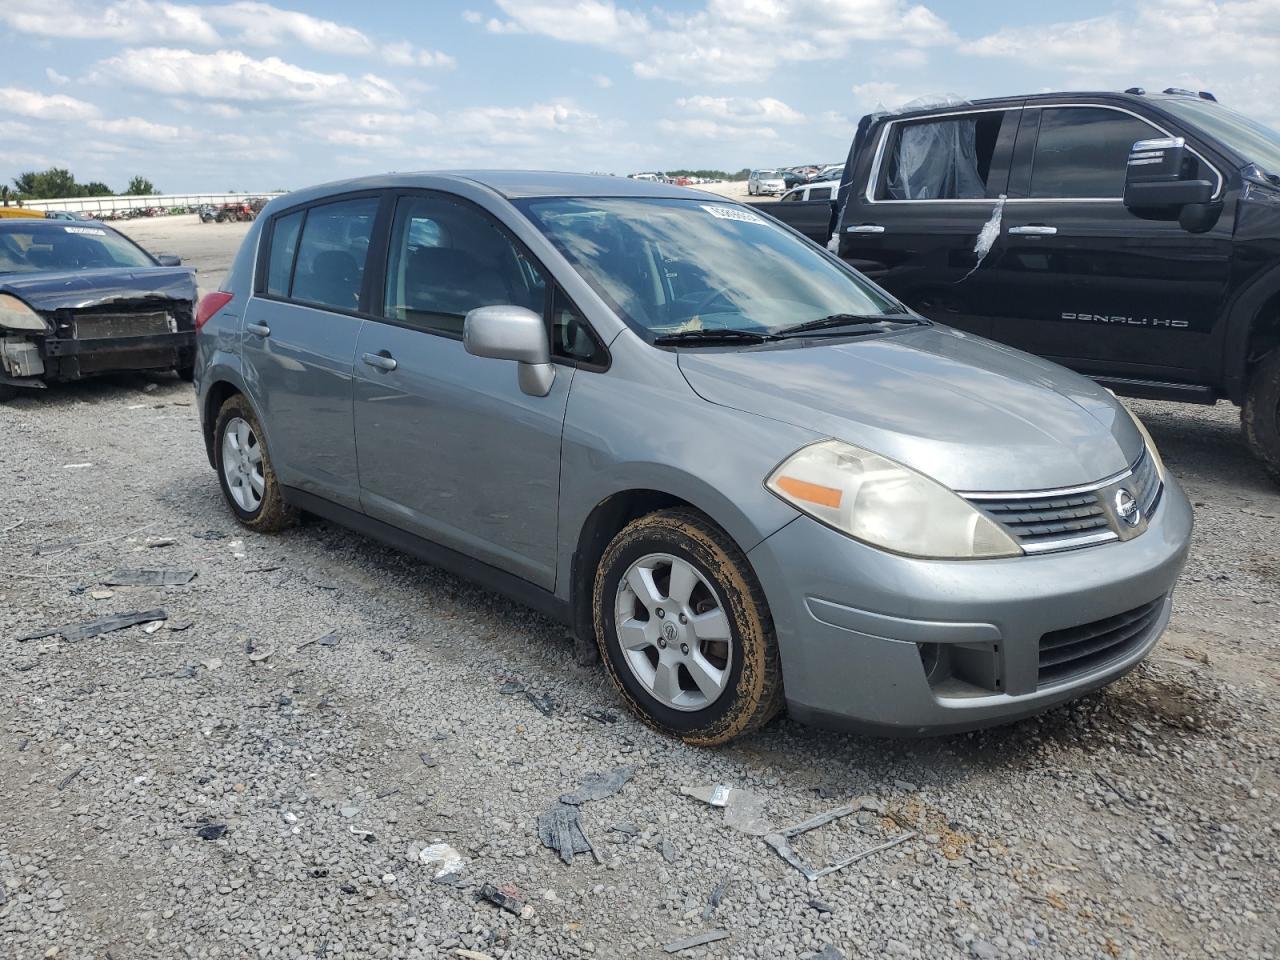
pixel 677 266
pixel 1255 142
pixel 43 248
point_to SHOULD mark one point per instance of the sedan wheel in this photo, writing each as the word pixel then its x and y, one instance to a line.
pixel 245 473
pixel 242 465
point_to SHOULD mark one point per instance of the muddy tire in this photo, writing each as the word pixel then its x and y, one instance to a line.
pixel 684 629
pixel 245 474
pixel 1260 416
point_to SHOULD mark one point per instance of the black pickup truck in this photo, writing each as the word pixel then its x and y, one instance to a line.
pixel 1134 237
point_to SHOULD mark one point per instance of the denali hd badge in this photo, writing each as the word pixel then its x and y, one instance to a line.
pixel 1127 321
pixel 1127 508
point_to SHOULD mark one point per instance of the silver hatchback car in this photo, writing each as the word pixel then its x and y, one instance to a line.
pixel 752 476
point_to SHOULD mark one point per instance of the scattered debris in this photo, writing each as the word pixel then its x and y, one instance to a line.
pixel 744 811
pixel 155 542
pixel 76 466
pixel 560 829
pixel 427 760
pixel 506 897
pixel 150 578
pixel 101 594
pixel 717 896
pixel 779 842
pixel 546 706
pixel 466 954
pixel 212 831
pixel 179 625
pixel 820 905
pixel 92 628
pixel 447 860
pixel 258 656
pixel 601 716
pixel 210 535
pixel 675 946
pixel 626 827
pixel 600 785
pixel 386 656
pixel 349 812
pixel 667 850
pixel 66 781
pixel 152 627
pixel 237 549
pixel 267 569
pixel 511 688
pixel 330 639
pixel 829 952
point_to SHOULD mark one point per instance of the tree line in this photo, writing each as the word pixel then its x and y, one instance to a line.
pixel 56 183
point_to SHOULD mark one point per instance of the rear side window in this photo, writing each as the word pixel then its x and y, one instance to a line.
pixel 820 193
pixel 284 243
pixel 943 159
pixel 448 258
pixel 1083 152
pixel 329 267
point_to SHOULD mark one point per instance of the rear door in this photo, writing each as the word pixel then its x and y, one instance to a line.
pixel 449 446
pixel 1088 283
pixel 299 341
pixel 934 182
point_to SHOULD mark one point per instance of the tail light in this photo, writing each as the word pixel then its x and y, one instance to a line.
pixel 210 304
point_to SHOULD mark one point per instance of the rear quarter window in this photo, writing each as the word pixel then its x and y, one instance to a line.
pixel 284 243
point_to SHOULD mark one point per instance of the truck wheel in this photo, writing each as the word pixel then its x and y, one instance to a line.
pixel 245 473
pixel 1260 415
pixel 685 631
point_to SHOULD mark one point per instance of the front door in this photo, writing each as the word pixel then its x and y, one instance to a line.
pixel 298 343
pixel 1088 283
pixel 449 446
pixel 915 228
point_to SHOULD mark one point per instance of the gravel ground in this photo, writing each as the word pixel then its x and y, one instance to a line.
pixel 231 790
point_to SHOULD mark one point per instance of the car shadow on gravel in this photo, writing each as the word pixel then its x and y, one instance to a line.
pixel 103 389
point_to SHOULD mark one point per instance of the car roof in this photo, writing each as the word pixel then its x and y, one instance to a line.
pixel 511 184
pixel 1034 98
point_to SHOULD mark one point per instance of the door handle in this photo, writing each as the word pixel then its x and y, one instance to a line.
pixel 866 228
pixel 258 329
pixel 382 361
pixel 1033 230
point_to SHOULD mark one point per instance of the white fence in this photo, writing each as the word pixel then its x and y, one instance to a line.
pixel 108 204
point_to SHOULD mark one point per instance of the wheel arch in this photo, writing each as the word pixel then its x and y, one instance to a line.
pixel 1253 330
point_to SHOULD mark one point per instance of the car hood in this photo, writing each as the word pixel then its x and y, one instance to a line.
pixel 79 289
pixel 970 413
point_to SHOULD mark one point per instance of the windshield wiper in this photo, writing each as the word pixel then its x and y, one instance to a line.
pixel 846 320
pixel 711 337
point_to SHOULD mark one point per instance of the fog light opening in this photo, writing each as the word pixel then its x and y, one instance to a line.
pixel 934 660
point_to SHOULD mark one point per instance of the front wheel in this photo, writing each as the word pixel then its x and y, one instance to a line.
pixel 245 474
pixel 684 629
pixel 1260 416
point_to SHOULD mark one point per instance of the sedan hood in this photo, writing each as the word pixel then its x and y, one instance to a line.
pixel 973 414
pixel 79 289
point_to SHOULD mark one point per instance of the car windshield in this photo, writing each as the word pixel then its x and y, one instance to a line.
pixel 677 266
pixel 767 174
pixel 1254 141
pixel 64 246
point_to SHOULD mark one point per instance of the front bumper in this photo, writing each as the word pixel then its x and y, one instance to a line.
pixel 70 358
pixel 849 620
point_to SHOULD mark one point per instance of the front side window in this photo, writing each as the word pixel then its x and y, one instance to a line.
pixel 329 267
pixel 447 258
pixel 948 158
pixel 284 244
pixel 1084 152
pixel 672 266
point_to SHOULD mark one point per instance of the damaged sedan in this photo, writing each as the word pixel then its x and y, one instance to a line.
pixel 81 299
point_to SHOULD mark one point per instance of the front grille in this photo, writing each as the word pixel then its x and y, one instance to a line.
pixel 1077 650
pixel 1043 521
pixel 110 326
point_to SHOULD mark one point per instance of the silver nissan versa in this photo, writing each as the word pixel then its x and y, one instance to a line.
pixel 756 479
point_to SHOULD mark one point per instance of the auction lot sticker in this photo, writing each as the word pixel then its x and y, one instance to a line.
pixel 93 231
pixel 731 213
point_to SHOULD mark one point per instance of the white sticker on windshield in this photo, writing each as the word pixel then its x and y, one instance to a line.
pixel 95 231
pixel 732 213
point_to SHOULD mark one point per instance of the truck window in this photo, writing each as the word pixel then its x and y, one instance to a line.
pixel 1083 152
pixel 941 159
pixel 820 193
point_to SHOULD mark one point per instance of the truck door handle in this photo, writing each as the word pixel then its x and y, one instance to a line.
pixel 1033 230
pixel 866 228
pixel 258 329
pixel 382 361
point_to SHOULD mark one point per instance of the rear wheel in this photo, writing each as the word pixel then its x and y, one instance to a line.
pixel 684 629
pixel 244 469
pixel 1260 416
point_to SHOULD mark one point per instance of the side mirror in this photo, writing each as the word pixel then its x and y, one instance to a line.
pixel 1158 177
pixel 168 260
pixel 509 332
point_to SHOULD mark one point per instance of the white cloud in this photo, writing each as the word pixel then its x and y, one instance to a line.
pixel 233 75
pixel 262 25
pixel 741 108
pixel 505 126
pixel 126 21
pixel 56 77
pixel 405 54
pixel 727 41
pixel 881 95
pixel 57 106
pixel 15 130
pixel 697 128
pixel 136 128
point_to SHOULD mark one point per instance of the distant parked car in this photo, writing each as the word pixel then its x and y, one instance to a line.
pixel 62 215
pixel 708 445
pixel 769 182
pixel 81 299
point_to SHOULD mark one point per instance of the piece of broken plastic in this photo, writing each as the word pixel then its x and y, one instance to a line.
pixel 597 786
pixel 93 628
pixel 560 829
pixel 744 811
pixel 444 858
pixel 150 578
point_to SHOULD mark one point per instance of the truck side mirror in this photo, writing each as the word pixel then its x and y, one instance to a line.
pixel 1158 178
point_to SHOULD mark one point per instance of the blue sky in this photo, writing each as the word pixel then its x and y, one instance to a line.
pixel 254 96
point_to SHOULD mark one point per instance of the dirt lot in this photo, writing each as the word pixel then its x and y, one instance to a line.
pixel 226 787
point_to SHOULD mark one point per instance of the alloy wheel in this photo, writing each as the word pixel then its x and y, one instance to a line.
pixel 242 464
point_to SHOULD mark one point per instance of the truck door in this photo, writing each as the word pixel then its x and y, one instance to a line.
pixel 1088 283
pixel 911 221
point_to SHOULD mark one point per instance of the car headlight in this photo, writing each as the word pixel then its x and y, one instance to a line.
pixel 16 315
pixel 1152 452
pixel 886 505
